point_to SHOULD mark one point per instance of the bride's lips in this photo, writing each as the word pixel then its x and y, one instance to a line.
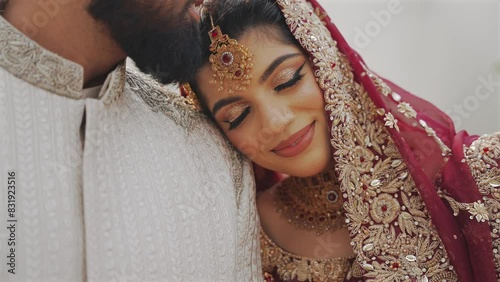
pixel 295 144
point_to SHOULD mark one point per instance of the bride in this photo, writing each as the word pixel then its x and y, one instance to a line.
pixel 380 186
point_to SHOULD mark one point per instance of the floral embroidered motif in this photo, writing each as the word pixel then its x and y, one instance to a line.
pixel 477 209
pixel 391 122
pixel 384 209
pixel 392 234
pixel 407 110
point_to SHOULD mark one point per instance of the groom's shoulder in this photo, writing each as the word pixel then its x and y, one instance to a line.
pixel 140 82
pixel 160 98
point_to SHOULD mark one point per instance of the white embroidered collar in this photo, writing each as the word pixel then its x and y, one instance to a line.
pixel 32 63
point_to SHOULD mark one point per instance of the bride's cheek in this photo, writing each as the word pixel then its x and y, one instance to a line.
pixel 248 147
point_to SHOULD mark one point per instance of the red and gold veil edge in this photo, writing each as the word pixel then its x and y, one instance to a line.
pixel 400 163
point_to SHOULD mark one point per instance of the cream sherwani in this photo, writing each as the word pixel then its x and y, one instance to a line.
pixel 128 186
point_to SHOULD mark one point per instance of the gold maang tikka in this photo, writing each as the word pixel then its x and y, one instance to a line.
pixel 231 61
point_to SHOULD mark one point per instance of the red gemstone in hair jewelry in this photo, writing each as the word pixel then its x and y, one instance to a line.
pixel 395 265
pixel 486 150
pixel 365 187
pixel 214 33
pixel 362 159
pixel 227 58
pixel 384 208
pixel 238 73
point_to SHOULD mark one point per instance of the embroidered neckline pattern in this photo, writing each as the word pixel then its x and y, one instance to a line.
pixel 30 62
pixel 289 266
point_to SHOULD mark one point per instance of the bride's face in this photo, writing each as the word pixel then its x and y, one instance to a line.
pixel 279 121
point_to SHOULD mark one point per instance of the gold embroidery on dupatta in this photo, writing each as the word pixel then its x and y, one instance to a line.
pixel 407 110
pixel 392 234
pixel 482 156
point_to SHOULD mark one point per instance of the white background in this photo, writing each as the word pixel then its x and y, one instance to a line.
pixel 438 50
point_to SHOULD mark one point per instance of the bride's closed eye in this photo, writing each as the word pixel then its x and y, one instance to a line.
pixel 236 114
pixel 289 81
pixel 286 79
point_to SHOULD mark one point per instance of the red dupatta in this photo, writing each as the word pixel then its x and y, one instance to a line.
pixel 421 201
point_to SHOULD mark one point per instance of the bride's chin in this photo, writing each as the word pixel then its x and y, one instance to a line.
pixel 310 169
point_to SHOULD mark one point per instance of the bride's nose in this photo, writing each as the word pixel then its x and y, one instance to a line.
pixel 276 116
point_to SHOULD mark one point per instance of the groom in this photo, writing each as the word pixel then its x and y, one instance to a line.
pixel 106 175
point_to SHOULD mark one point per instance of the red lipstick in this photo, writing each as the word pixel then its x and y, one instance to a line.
pixel 296 143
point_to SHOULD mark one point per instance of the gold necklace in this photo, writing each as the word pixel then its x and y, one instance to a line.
pixel 312 203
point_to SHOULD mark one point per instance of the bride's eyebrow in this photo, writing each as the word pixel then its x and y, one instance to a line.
pixel 223 102
pixel 272 67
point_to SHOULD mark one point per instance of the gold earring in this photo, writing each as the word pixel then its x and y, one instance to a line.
pixel 190 97
pixel 231 61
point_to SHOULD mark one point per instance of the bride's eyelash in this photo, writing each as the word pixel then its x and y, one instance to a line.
pixel 237 121
pixel 295 79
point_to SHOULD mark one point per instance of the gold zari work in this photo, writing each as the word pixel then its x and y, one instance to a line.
pixel 392 234
pixel 289 266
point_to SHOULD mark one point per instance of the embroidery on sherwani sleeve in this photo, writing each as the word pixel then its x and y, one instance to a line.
pixel 392 233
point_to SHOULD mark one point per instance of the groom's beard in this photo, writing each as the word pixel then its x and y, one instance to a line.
pixel 160 36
